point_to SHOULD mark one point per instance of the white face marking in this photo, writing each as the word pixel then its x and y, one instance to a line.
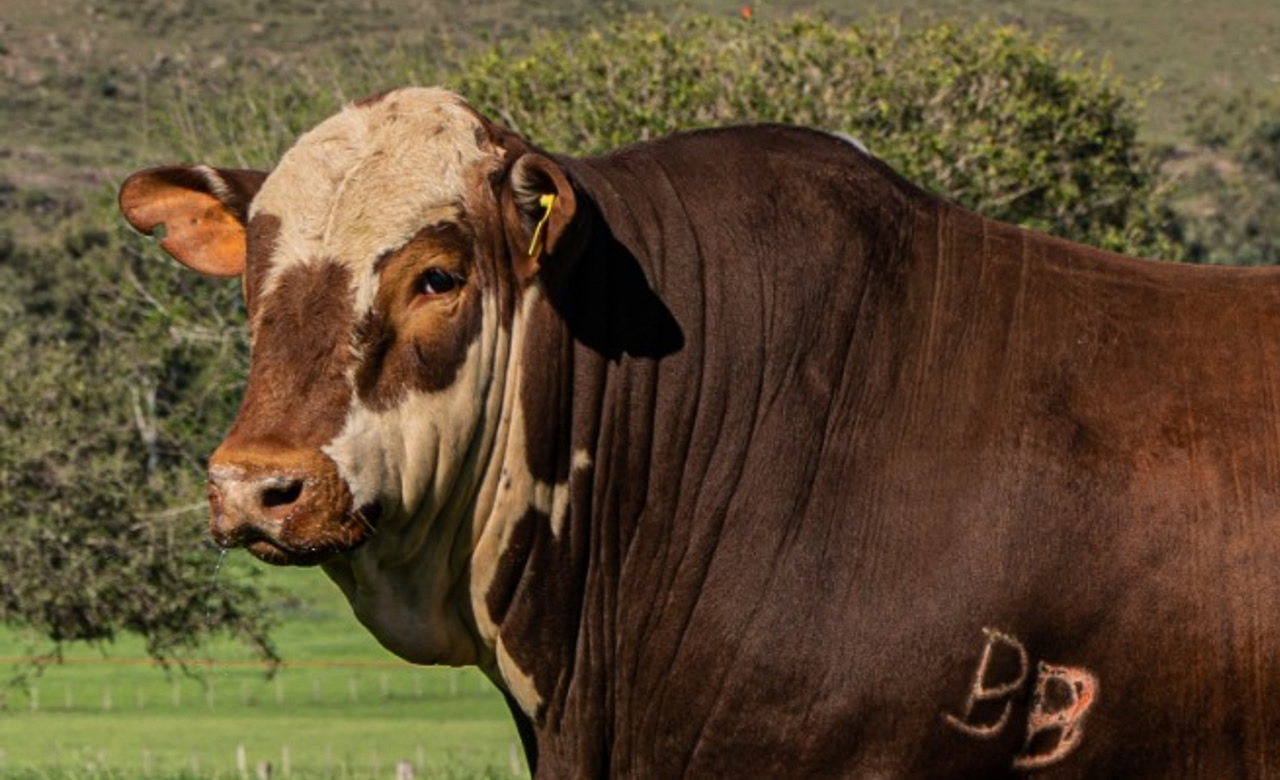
pixel 411 455
pixel 366 180
pixel 360 184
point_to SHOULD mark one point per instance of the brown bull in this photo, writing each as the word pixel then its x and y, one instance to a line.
pixel 733 454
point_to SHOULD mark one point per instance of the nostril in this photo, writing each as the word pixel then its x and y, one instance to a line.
pixel 285 494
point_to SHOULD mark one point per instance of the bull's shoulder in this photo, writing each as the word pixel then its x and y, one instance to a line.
pixel 729 192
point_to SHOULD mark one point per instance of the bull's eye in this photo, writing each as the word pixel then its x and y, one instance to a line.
pixel 436 281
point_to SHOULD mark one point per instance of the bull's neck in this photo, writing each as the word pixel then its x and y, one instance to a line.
pixel 523 495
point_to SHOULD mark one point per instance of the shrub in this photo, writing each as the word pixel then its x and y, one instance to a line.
pixel 120 374
pixel 1230 193
pixel 987 115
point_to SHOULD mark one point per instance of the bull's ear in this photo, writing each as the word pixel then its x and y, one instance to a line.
pixel 203 210
pixel 540 213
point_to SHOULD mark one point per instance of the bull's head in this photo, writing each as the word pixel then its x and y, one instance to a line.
pixel 386 263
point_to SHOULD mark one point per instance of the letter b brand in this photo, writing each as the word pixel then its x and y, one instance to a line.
pixel 1001 673
pixel 1055 724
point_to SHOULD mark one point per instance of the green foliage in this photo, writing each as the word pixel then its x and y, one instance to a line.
pixel 987 115
pixel 1232 190
pixel 112 396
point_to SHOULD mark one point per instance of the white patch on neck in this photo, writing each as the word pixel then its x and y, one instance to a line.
pixel 518 683
pixel 512 488
pixel 510 492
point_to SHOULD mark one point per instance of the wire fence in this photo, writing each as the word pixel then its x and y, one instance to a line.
pixel 246 685
pixel 102 719
pixel 243 763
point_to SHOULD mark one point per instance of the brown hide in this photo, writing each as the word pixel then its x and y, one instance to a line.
pixel 845 440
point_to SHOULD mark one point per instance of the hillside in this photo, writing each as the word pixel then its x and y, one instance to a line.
pixel 80 76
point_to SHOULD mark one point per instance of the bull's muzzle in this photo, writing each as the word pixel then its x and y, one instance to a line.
pixel 284 507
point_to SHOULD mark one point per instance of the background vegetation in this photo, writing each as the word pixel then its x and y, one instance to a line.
pixel 120 372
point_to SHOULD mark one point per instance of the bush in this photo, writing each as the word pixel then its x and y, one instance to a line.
pixel 986 115
pixel 1230 194
pixel 112 397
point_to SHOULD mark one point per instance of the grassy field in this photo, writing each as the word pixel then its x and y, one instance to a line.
pixel 340 707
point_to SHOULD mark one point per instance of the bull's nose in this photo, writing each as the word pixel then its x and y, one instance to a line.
pixel 285 506
pixel 247 504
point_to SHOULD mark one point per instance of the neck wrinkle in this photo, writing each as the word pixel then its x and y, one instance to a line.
pixel 507 490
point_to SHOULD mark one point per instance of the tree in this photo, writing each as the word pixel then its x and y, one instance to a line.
pixel 109 402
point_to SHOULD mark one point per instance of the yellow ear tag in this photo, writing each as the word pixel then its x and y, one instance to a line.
pixel 547 202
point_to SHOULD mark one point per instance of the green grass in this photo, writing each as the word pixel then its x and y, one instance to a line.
pixel 340 707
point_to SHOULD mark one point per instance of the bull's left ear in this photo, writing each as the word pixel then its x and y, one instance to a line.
pixel 540 214
pixel 203 210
